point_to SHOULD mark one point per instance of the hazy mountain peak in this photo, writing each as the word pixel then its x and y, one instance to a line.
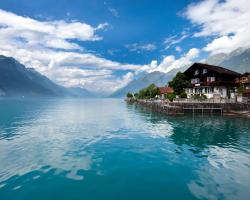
pixel 237 60
pixel 17 80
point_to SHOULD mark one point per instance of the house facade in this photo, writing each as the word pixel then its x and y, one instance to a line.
pixel 212 81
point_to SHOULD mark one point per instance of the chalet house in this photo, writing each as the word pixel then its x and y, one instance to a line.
pixel 212 81
pixel 245 81
pixel 165 90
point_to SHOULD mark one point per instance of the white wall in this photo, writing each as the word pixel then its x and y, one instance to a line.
pixel 222 91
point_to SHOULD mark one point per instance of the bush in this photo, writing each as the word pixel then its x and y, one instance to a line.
pixel 183 95
pixel 170 97
pixel 136 95
pixel 240 89
pixel 199 97
pixel 129 95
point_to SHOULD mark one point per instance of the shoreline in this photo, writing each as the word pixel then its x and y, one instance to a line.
pixel 180 108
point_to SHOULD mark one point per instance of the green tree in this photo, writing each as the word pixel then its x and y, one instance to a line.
pixel 179 83
pixel 183 95
pixel 136 95
pixel 149 92
pixel 241 89
pixel 170 96
pixel 129 95
pixel 152 91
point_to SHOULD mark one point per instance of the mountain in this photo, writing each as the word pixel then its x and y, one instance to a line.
pixel 158 78
pixel 80 92
pixel 238 60
pixel 17 80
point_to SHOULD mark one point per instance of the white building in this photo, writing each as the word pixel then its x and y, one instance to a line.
pixel 212 81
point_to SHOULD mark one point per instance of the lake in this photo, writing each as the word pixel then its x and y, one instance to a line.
pixel 106 149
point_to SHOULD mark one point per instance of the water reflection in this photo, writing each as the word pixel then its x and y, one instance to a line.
pixel 50 133
pixel 98 142
pixel 200 131
pixel 220 148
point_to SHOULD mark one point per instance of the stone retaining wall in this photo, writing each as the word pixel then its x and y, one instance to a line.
pixel 174 108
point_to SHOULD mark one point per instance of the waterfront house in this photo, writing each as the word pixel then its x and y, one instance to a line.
pixel 165 90
pixel 212 81
pixel 245 81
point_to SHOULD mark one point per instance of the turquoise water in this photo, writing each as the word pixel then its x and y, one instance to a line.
pixel 105 149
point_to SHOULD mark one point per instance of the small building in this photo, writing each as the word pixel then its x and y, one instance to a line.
pixel 165 90
pixel 245 81
pixel 212 81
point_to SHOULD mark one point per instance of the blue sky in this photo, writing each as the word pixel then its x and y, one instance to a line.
pixel 102 45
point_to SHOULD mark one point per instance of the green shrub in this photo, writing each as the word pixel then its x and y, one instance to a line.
pixel 149 92
pixel 170 97
pixel 129 95
pixel 241 89
pixel 183 95
pixel 136 95
pixel 200 97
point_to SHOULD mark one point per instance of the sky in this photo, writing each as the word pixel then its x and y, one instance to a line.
pixel 103 45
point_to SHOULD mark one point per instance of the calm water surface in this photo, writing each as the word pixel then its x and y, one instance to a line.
pixel 105 149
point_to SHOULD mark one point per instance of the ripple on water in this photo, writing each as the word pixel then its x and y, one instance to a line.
pixel 121 151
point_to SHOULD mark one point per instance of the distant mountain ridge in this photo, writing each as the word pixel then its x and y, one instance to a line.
pixel 156 77
pixel 17 80
pixel 238 60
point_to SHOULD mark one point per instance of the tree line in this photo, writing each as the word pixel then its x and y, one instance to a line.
pixel 178 83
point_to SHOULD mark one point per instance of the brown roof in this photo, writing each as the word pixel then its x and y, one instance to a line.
pixel 217 69
pixel 246 74
pixel 166 90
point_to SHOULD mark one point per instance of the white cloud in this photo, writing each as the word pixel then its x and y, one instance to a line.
pixel 52 34
pixel 50 47
pixel 178 49
pixel 170 62
pixel 192 53
pixel 108 84
pixel 136 47
pixel 227 21
pixel 72 68
pixel 114 12
pixel 173 40
pixel 113 51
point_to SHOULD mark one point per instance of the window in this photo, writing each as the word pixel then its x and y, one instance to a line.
pixel 206 90
pixel 210 79
pixel 196 80
pixel 221 91
pixel 211 90
pixel 198 91
pixel 204 71
pixel 196 72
